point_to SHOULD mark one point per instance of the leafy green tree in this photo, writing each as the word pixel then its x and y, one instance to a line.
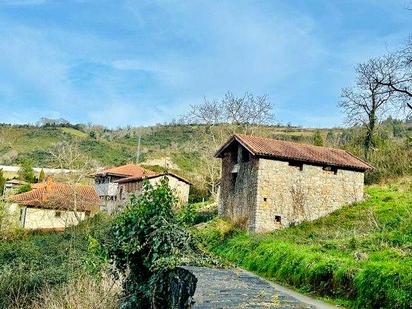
pixel 330 137
pixel 318 139
pixel 26 172
pixel 42 176
pixel 92 134
pixel 24 188
pixel 149 243
pixel 2 182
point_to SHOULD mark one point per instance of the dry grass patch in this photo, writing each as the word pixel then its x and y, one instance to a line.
pixel 85 293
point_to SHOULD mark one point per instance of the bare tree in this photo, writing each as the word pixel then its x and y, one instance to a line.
pixel 73 197
pixel 398 76
pixel 245 111
pixel 221 119
pixel 369 100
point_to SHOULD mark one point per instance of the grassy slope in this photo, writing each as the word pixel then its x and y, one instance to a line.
pixel 359 255
pixel 46 260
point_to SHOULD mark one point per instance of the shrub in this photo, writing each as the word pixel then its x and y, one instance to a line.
pixel 148 244
pixel 26 172
pixel 23 188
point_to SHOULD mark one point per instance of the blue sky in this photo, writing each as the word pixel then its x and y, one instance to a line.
pixel 121 63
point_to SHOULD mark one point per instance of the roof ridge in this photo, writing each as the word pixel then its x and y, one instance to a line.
pixel 289 142
pixel 280 149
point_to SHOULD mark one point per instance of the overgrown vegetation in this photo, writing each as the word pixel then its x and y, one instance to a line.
pixel 2 182
pixel 26 172
pixel 360 255
pixel 149 243
pixel 33 262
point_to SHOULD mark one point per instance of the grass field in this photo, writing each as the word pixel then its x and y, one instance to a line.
pixel 31 263
pixel 74 132
pixel 359 256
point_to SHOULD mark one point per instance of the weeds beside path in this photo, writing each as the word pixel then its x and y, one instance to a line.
pixel 359 256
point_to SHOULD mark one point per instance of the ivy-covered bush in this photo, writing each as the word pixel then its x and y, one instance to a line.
pixel 148 243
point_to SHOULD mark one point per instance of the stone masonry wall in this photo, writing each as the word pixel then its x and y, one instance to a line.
pixel 237 199
pixel 290 195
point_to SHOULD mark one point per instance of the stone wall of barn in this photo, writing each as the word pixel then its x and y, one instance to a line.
pixel 287 194
pixel 238 188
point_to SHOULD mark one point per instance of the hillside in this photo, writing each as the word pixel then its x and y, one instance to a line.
pixel 170 143
pixel 187 149
pixel 18 142
pixel 360 256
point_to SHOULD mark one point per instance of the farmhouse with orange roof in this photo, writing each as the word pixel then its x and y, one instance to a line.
pixel 115 185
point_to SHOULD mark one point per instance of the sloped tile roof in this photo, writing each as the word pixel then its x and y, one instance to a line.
pixel 277 149
pixel 128 170
pixel 54 195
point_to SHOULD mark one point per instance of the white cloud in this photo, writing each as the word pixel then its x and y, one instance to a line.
pixel 146 62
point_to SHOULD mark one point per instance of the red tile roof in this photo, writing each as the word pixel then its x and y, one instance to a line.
pixel 277 149
pixel 128 170
pixel 54 195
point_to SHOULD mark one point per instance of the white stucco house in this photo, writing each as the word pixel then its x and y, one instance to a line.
pixel 52 205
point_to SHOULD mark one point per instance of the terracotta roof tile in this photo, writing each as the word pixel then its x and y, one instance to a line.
pixel 128 170
pixel 277 149
pixel 56 195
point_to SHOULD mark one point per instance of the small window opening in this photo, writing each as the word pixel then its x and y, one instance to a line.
pixel 265 199
pixel 245 155
pixel 58 214
pixel 278 219
pixel 330 169
pixel 298 165
pixel 234 157
pixel 121 194
pixel 234 177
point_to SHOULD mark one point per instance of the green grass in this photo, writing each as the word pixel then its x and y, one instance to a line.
pixel 47 260
pixel 74 132
pixel 360 255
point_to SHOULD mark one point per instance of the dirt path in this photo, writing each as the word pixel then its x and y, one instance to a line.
pixel 233 288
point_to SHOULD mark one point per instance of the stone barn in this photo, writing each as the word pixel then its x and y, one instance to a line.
pixel 268 184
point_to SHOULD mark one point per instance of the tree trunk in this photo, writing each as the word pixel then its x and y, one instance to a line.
pixel 368 143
